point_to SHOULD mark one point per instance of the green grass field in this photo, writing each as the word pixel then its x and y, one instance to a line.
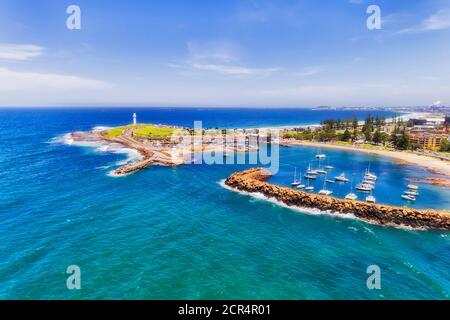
pixel 143 130
pixel 154 131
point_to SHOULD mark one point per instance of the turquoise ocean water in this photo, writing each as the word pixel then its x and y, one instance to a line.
pixel 176 233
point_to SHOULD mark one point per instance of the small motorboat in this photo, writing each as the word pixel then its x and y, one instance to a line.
pixel 411 193
pixel 320 171
pixel 321 156
pixel 301 186
pixel 309 188
pixel 330 181
pixel 413 187
pixel 329 167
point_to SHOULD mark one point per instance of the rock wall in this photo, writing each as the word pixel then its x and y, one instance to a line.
pixel 254 181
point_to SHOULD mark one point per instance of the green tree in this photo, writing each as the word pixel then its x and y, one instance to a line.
pixel 403 142
pixel 384 138
pixel 355 123
pixel 346 136
pixel 377 137
pixel 445 146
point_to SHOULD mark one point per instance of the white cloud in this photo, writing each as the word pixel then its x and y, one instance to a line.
pixel 234 70
pixel 17 81
pixel 309 71
pixel 19 52
pixel 438 21
pixel 219 57
pixel 218 51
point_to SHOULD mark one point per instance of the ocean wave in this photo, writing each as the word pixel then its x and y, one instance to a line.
pixel 101 147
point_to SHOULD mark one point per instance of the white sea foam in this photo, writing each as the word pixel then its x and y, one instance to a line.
pixel 312 211
pixel 63 139
pixel 101 128
pixel 101 147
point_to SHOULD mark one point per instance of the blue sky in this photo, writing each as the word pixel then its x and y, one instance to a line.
pixel 297 53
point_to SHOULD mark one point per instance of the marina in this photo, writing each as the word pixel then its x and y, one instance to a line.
pixel 368 179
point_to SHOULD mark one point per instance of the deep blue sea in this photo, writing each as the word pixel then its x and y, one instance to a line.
pixel 176 233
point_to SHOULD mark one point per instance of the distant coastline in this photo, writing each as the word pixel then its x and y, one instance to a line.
pixel 433 164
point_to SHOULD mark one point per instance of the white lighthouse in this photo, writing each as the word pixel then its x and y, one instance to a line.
pixel 134 119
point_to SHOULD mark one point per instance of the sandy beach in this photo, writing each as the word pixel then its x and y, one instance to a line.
pixel 433 164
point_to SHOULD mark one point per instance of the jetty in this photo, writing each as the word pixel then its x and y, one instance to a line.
pixel 254 181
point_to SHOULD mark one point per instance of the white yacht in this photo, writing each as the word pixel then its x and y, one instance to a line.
pixel 295 183
pixel 321 156
pixel 309 188
pixel 310 171
pixel 371 199
pixel 320 170
pixel 351 195
pixel 369 183
pixel 324 190
pixel 408 197
pixel 364 187
pixel 370 176
pixel 300 186
pixel 341 178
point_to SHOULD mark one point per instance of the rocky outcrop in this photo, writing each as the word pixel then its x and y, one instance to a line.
pixel 150 155
pixel 440 182
pixel 254 181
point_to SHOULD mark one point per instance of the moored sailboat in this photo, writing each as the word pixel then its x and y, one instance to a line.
pixel 295 183
pixel 324 190
pixel 351 195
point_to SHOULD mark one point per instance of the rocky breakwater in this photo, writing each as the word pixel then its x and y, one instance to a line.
pixel 254 181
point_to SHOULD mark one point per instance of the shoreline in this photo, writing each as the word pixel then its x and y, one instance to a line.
pixel 432 164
